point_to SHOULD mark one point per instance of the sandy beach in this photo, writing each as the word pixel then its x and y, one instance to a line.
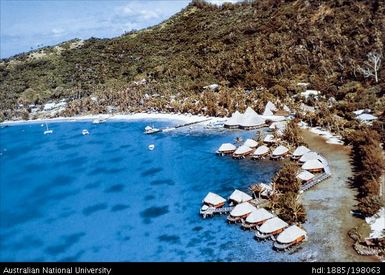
pixel 329 204
pixel 184 118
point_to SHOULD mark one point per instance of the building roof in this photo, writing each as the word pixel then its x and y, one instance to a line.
pixel 250 143
pixel 305 175
pixel 272 225
pixel 279 125
pixel 270 139
pixel 290 234
pixel 366 117
pixel 239 196
pixel 242 150
pixel 261 150
pixel 242 209
pixel 280 150
pixel 300 151
pixel 312 164
pixel 234 120
pixel 251 119
pixel 214 199
pixel 261 214
pixel 227 147
pixel 309 156
pixel 269 109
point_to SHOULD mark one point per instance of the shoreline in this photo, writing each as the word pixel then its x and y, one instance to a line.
pixel 186 118
pixel 329 205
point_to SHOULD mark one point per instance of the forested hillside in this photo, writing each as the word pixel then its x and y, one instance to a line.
pixel 263 47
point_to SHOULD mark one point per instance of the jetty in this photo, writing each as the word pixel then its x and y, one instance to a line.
pixel 149 131
pixel 209 212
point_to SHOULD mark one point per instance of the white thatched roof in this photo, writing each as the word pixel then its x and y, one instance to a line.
pixel 234 120
pixel 227 147
pixel 214 199
pixel 366 117
pixel 300 151
pixel 261 150
pixel 308 93
pixel 279 125
pixel 242 150
pixel 309 156
pixel 250 111
pixel 312 164
pixel 280 150
pixel 269 109
pixel 272 225
pixel 269 139
pixel 305 175
pixel 261 214
pixel 359 112
pixel 250 143
pixel 242 209
pixel 290 234
pixel 239 196
pixel 251 119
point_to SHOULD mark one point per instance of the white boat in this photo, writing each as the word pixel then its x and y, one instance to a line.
pixel 151 130
pixel 151 147
pixel 47 130
pixel 96 121
pixel 85 132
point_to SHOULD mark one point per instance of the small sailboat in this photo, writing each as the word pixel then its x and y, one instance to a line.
pixel 151 130
pixel 85 132
pixel 47 130
pixel 151 147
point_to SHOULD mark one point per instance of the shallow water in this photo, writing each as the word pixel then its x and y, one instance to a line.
pixel 106 197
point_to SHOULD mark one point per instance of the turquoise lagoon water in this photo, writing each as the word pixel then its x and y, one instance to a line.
pixel 106 197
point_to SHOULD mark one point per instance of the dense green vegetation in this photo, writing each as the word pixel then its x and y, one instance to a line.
pixel 370 165
pixel 286 198
pixel 263 46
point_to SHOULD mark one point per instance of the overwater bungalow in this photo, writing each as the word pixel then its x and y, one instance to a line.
pixel 240 212
pixel 289 237
pixel 250 143
pixel 242 152
pixel 238 197
pixel 270 139
pixel 280 152
pixel 261 152
pixel 257 218
pixel 263 190
pixel 299 152
pixel 251 120
pixel 234 121
pixel 212 200
pixel 226 148
pixel 305 176
pixel 270 228
pixel 309 156
pixel 313 165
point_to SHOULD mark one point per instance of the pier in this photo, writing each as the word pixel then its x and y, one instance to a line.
pixel 211 211
pixel 156 130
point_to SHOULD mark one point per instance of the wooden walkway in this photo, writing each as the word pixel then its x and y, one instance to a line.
pixel 327 174
pixel 176 127
pixel 211 211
